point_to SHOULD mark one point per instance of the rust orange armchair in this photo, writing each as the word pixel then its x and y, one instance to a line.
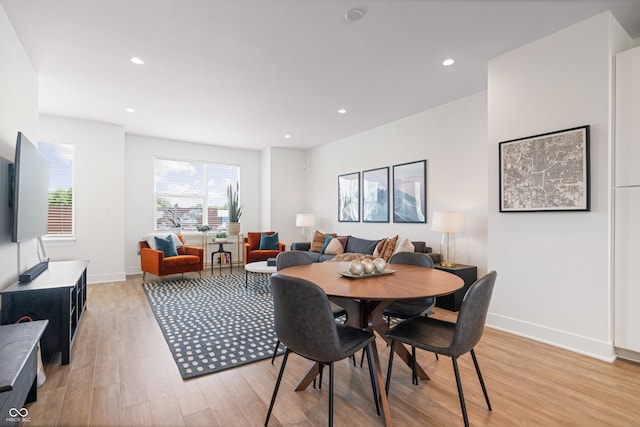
pixel 189 258
pixel 252 251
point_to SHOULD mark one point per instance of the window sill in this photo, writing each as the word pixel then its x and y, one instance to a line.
pixel 59 240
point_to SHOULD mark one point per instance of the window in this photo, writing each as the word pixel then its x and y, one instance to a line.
pixel 60 157
pixel 184 188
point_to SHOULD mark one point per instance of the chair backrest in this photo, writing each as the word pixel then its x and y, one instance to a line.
pixel 412 258
pixel 473 314
pixel 291 258
pixel 303 318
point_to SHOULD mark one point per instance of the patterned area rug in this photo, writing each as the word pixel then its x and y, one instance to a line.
pixel 213 323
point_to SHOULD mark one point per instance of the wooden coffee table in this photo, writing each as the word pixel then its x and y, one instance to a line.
pixel 259 267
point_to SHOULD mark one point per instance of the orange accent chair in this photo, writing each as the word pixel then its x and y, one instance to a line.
pixel 252 252
pixel 189 258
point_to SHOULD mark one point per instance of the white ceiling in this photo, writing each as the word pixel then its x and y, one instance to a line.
pixel 243 73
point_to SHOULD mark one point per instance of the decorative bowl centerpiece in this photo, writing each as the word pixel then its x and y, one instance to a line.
pixel 359 269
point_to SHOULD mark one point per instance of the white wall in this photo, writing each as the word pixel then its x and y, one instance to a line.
pixel 98 195
pixel 554 269
pixel 452 138
pixel 18 112
pixel 286 168
pixel 140 152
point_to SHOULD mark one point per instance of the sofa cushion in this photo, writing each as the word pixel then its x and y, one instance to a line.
pixel 361 246
pixel 389 248
pixel 318 241
pixel 268 242
pixel 166 245
pixel 334 247
pixel 404 245
pixel 180 260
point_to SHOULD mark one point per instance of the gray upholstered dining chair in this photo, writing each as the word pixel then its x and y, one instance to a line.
pixel 289 259
pixel 304 323
pixel 409 308
pixel 447 338
pixel 415 307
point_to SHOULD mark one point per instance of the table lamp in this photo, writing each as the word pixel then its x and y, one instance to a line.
pixel 305 220
pixel 448 223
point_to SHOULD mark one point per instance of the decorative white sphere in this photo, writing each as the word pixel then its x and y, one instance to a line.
pixel 356 268
pixel 380 264
pixel 368 266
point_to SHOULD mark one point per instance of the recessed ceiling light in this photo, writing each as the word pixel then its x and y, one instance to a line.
pixel 448 62
pixel 130 110
pixel 287 135
pixel 354 15
pixel 137 60
pixel 342 111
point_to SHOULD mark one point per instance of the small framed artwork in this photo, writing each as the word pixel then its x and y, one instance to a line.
pixel 410 192
pixel 546 172
pixel 375 195
pixel 349 197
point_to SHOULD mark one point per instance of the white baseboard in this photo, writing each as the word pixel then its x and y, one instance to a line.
pixel 579 344
pixel 106 277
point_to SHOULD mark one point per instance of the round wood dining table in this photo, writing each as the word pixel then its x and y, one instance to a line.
pixel 365 299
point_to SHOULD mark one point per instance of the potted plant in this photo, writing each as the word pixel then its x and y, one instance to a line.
pixel 204 228
pixel 235 209
pixel 221 237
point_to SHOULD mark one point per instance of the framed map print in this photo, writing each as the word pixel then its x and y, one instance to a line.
pixel 547 172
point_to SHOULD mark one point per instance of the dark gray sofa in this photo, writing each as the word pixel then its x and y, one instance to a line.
pixel 360 246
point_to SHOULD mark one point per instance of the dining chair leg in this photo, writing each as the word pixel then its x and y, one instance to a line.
pixel 414 363
pixel 388 382
pixel 331 394
pixel 460 393
pixel 275 352
pixel 374 378
pixel 275 390
pixel 484 389
pixel 320 368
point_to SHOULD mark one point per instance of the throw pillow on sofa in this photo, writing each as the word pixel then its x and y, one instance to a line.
pixel 334 247
pixel 318 241
pixel 405 245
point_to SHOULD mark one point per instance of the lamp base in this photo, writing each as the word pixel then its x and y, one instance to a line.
pixel 448 249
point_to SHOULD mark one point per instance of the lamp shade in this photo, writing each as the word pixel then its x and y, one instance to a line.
pixel 447 222
pixel 305 220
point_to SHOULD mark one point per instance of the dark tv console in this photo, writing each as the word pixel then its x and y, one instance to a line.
pixel 59 294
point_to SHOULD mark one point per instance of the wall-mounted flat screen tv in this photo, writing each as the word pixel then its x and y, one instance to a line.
pixel 30 191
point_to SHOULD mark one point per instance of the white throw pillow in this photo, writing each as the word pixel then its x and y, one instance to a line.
pixel 405 245
pixel 334 247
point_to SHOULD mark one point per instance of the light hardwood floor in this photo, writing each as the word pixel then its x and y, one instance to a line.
pixel 122 374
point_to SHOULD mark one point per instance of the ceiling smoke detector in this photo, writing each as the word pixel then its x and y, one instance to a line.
pixel 354 15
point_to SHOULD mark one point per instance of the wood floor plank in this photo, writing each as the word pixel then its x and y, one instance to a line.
pixel 122 373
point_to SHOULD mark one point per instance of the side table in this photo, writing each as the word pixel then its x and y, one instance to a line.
pixel 219 252
pixel 468 273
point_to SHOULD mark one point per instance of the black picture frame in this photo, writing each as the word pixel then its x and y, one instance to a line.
pixel 375 195
pixel 549 172
pixel 410 192
pixel 349 197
